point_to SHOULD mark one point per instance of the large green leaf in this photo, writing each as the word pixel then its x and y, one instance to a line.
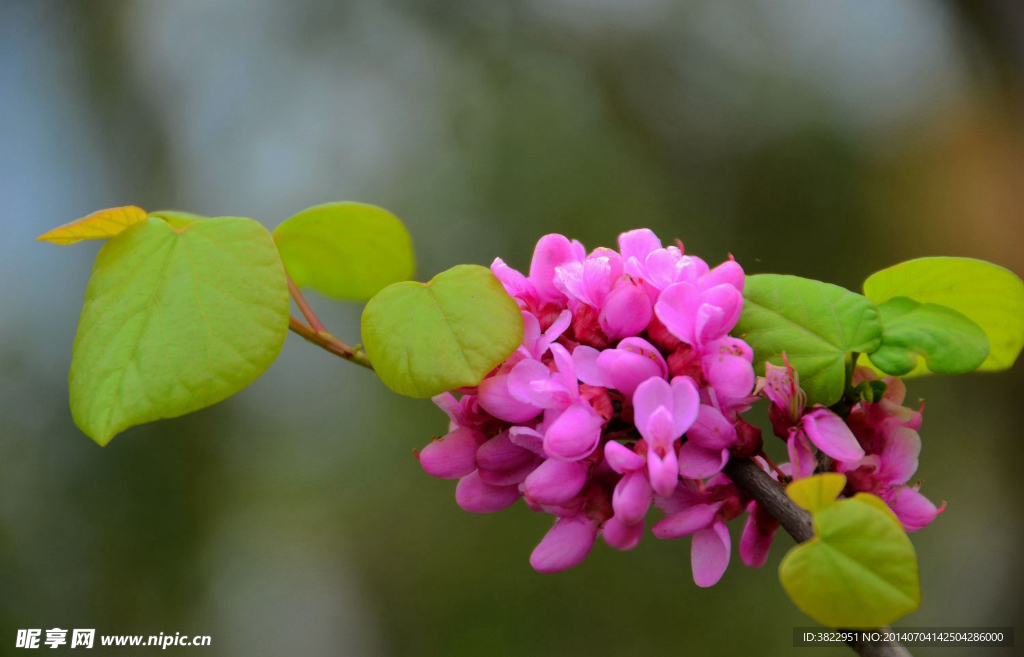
pixel 816 324
pixel 946 340
pixel 988 295
pixel 346 250
pixel 175 319
pixel 859 570
pixel 426 338
pixel 177 218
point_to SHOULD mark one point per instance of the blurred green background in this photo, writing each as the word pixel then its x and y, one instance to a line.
pixel 826 139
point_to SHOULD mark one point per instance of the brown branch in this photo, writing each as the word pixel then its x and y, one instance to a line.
pixel 318 334
pixel 771 496
pixel 328 342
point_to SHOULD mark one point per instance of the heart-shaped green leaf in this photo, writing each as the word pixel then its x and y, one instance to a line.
pixel 859 570
pixel 946 340
pixel 817 325
pixel 346 250
pixel 988 295
pixel 175 319
pixel 426 338
pixel 177 218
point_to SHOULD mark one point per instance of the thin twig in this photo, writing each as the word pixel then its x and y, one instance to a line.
pixel 307 311
pixel 326 341
pixel 771 496
pixel 318 334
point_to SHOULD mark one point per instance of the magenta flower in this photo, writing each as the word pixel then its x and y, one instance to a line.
pixel 552 251
pixel 830 434
pixel 589 281
pixel 572 428
pixel 493 393
pixel 633 494
pixel 477 496
pixel 452 456
pixel 623 368
pixel 565 545
pixel 697 315
pixel 662 413
pixel 702 515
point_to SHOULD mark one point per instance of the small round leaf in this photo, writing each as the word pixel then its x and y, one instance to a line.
pixel 859 571
pixel 426 338
pixel 945 340
pixel 990 296
pixel 346 250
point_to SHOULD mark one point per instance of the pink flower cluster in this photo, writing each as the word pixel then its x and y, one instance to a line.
pixel 876 447
pixel 626 392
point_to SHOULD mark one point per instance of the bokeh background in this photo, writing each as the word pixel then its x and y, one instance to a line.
pixel 826 139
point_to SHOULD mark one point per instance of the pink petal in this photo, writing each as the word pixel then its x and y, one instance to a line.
pixel 477 496
pixel 644 348
pixel 566 371
pixel 677 309
pixel 626 311
pixel 632 498
pixel 728 304
pixel 500 453
pixel 447 402
pixel 712 430
pixel 624 370
pixel 530 382
pixel 527 438
pixel 913 509
pixel 758 534
pixel 696 462
pixel 620 536
pixel 801 454
pixel 516 474
pixel 730 376
pixel 565 545
pixel 556 329
pixel 575 434
pixel 688 521
pixel 782 387
pixel 709 554
pixel 638 244
pixel 556 482
pixel 452 456
pixel 685 404
pixel 660 429
pixel 621 458
pixel 830 434
pixel 551 251
pixel 653 393
pixel 514 283
pixel 494 397
pixel 663 471
pixel 729 272
pixel 584 360
pixel 898 461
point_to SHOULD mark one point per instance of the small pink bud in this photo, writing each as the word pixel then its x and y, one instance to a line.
pixel 452 456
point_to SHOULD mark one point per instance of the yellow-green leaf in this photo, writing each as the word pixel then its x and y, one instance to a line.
pixel 859 571
pixel 100 225
pixel 346 250
pixel 817 325
pixel 426 338
pixel 177 218
pixel 816 492
pixel 990 296
pixel 175 319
